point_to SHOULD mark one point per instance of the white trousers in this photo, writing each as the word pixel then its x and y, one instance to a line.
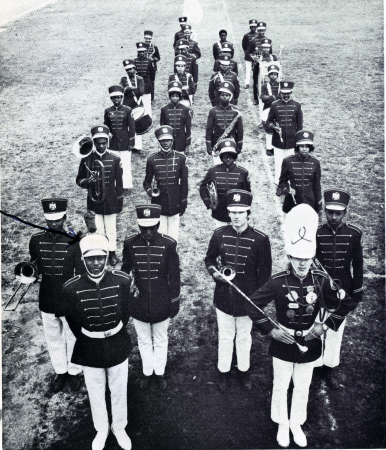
pixel 138 142
pixel 116 377
pixel 126 166
pixel 332 345
pixel 301 374
pixel 108 225
pixel 170 225
pixel 153 345
pixel 279 155
pixel 60 343
pixel 228 328
pixel 146 100
pixel 248 69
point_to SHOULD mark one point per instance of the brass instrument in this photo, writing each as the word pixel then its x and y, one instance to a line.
pixel 97 190
pixel 213 194
pixel 228 272
pixel 335 284
pixel 83 147
pixel 226 132
pixel 26 273
pixel 155 190
pixel 279 132
pixel 133 288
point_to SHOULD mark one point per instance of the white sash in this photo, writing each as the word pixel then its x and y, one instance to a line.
pixel 137 100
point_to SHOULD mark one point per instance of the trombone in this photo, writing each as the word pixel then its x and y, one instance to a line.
pixel 26 273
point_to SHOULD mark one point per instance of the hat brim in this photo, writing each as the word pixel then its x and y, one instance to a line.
pixel 129 66
pixel 116 94
pixel 304 141
pixel 175 90
pixel 147 222
pixel 55 216
pixel 95 252
pixel 101 135
pixel 225 90
pixel 335 207
pixel 228 150
pixel 141 49
pixel 224 63
pixel 148 35
pixel 238 208
pixel 266 45
pixel 286 90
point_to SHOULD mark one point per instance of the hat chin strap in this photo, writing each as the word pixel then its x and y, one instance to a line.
pixel 92 276
pixel 166 151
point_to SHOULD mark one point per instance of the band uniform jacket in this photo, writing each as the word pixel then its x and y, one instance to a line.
pixel 289 116
pixel 251 48
pixel 269 93
pixel 233 66
pixel 122 127
pixel 219 119
pixel 52 254
pixel 99 306
pixel 112 182
pixel 191 66
pixel 214 85
pixel 129 93
pixel 156 269
pixel 245 44
pixel 145 70
pixel 178 117
pixel 236 177
pixel 181 35
pixel 193 48
pixel 293 311
pixel 188 86
pixel 337 250
pixel 303 174
pixel 152 53
pixel 217 49
pixel 249 253
pixel 171 175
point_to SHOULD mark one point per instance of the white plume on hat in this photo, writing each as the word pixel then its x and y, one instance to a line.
pixel 300 227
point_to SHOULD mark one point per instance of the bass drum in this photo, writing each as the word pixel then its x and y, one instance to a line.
pixel 143 122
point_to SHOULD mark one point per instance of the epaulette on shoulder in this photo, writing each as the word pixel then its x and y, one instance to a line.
pixel 221 228
pixel 126 106
pixel 71 280
pixel 289 156
pixel 283 273
pixel 168 237
pixel 260 232
pixel 242 168
pixel 278 100
pixel 121 274
pixel 153 154
pixel 131 236
pixel 39 233
pixel 320 226
pixel 354 227
pixel 319 272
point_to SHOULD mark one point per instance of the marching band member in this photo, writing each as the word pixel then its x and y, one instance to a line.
pixel 193 45
pixel 185 78
pixel 248 252
pixel 225 176
pixel 218 47
pixel 167 169
pixel 108 199
pixel 285 118
pixel 178 117
pixel 119 120
pixel 338 248
pixel 152 53
pixel 153 259
pixel 299 294
pixel 300 173
pixel 245 44
pixel 223 74
pixel 227 49
pixel 97 308
pixel 180 34
pixel 134 88
pixel 145 69
pixel 182 47
pixel 269 93
pixel 50 252
pixel 224 121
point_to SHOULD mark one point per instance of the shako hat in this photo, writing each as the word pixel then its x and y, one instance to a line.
pixel 94 244
pixel 148 33
pixel 253 23
pixel 224 59
pixel 301 224
pixel 273 68
pixel 99 131
pixel 226 47
pixel 227 86
pixel 187 27
pixel 261 26
pixel 175 86
pixel 238 200
pixel 182 19
pixel 227 146
pixel 128 63
pixel 286 86
pixel 180 59
pixel 336 199
pixel 141 46
pixel 115 90
pixel 182 43
pixel 163 132
pixel 304 137
pixel 148 215
pixel 266 42
pixel 54 208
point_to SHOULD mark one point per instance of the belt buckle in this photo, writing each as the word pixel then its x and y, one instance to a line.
pixel 299 333
pixel 107 333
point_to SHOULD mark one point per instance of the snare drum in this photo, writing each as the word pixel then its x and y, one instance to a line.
pixel 143 122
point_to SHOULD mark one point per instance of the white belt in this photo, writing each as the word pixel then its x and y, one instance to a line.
pixel 297 333
pixel 102 334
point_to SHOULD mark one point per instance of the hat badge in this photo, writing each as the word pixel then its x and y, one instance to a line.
pixel 146 212
pixel 52 206
pixel 236 198
pixel 305 135
pixel 285 84
pixel 226 84
pixel 164 130
pixel 100 129
pixel 335 196
pixel 227 144
pixel 175 84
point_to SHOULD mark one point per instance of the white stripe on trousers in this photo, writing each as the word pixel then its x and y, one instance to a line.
pixel 108 225
pixel 153 345
pixel 170 225
pixel 95 379
pixel 60 343
pixel 126 167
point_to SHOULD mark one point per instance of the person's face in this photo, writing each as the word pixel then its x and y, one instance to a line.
pixel 227 159
pixel 265 50
pixel 130 71
pixel 238 218
pixel 223 37
pixel 273 76
pixel 187 34
pixel 95 264
pixel 183 50
pixel 148 232
pixel 100 144
pixel 224 97
pixel 56 224
pixel 261 33
pixel 166 144
pixel 304 149
pixel 334 218
pixel 141 54
pixel 147 40
pixel 116 99
pixel 175 98
pixel 223 67
pixel 180 68
pixel 286 96
pixel 253 28
pixel 301 266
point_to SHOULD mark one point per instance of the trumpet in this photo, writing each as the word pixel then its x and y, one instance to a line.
pixel 26 273
pixel 97 190
pixel 228 272
pixel 83 147
pixel 155 190
pixel 213 194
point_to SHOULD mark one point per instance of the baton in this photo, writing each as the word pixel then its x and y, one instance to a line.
pixel 302 348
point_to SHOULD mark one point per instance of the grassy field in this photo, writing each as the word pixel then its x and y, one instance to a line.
pixel 57 64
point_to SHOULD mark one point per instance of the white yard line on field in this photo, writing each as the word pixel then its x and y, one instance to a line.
pixel 14 9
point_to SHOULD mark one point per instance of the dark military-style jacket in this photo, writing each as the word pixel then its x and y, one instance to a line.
pixel 249 253
pixel 191 66
pixel 218 120
pixel 245 44
pixel 297 310
pixel 179 118
pixel 214 84
pixel 145 70
pixel 152 53
pixel 303 174
pixel 177 36
pixel 256 42
pixel 233 66
pixel 122 127
pixel 129 94
pixel 236 177
pixel 53 256
pixel 337 250
pixel 217 49
pixel 289 116
pixel 193 48
pixel 171 174
pixel 112 182
pixel 186 79
pixel 98 306
pixel 156 269
pixel 269 93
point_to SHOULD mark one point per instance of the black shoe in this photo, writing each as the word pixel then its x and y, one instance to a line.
pixel 144 382
pixel 316 378
pixel 331 377
pixel 261 126
pixel 223 380
pixel 75 382
pixel 127 191
pixel 269 151
pixel 113 260
pixel 244 380
pixel 255 102
pixel 162 382
pixel 59 382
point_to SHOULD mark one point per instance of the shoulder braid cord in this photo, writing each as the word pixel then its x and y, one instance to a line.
pixel 227 130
